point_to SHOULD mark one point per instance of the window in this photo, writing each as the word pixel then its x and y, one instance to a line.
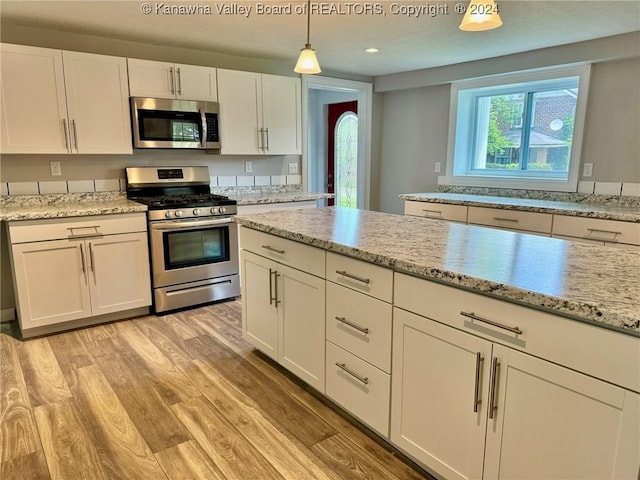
pixel 518 131
pixel 346 158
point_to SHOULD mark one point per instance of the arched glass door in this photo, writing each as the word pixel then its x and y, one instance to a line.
pixel 342 150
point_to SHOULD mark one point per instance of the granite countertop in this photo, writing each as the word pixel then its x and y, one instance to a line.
pixel 38 207
pixel 598 285
pixel 606 212
pixel 276 197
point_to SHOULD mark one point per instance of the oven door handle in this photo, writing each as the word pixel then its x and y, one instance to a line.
pixel 184 225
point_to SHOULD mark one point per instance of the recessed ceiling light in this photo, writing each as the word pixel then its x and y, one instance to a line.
pixel 372 50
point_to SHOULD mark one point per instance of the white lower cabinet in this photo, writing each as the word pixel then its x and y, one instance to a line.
pixel 283 314
pixel 78 277
pixel 466 408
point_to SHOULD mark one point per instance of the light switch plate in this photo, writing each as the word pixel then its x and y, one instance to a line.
pixel 437 167
pixel 248 167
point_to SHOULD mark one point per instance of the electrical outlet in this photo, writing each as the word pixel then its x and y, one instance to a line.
pixel 248 167
pixel 587 170
pixel 437 167
pixel 293 168
pixel 56 170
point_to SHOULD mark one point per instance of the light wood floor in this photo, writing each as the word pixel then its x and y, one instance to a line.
pixel 179 396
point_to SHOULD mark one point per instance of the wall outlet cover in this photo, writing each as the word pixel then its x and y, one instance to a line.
pixel 437 167
pixel 293 168
pixel 56 169
pixel 248 167
pixel 587 170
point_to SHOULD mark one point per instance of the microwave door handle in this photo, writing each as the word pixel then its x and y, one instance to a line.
pixel 203 120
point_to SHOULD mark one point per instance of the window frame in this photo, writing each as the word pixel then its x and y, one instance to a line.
pixel 462 128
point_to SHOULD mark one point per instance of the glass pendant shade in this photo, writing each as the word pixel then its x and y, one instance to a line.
pixel 481 15
pixel 307 62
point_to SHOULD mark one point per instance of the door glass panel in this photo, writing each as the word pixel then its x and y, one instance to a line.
pixel 346 155
pixel 196 247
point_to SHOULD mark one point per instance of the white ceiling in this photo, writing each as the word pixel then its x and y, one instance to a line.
pixel 405 43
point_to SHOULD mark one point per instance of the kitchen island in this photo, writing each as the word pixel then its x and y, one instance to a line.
pixel 461 345
pixel 593 284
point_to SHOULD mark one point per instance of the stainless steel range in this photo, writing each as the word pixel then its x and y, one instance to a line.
pixel 193 240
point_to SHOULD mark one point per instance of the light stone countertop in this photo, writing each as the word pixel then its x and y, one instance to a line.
pixel 276 197
pixel 598 285
pixel 38 207
pixel 606 212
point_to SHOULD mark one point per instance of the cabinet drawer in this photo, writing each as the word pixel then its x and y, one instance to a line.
pixel 364 277
pixel 596 351
pixel 360 324
pixel 364 392
pixel 61 228
pixel 287 252
pixel 442 211
pixel 597 229
pixel 510 219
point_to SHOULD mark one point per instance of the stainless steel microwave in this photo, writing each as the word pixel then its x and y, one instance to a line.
pixel 166 123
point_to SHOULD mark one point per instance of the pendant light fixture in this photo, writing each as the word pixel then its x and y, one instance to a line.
pixel 481 15
pixel 307 62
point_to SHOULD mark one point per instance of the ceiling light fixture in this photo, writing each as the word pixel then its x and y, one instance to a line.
pixel 307 62
pixel 372 50
pixel 481 15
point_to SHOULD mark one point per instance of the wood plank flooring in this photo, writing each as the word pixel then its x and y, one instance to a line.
pixel 180 396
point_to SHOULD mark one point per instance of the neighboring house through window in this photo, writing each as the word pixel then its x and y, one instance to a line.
pixel 518 130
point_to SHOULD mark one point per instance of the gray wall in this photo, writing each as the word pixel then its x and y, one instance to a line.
pixel 415 123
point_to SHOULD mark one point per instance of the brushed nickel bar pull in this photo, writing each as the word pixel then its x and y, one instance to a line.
pixel 596 230
pixel 501 219
pixel 179 80
pixel 495 370
pixel 343 367
pixel 261 139
pixel 271 249
pixel 75 134
pixel 270 287
pixel 66 134
pixel 91 263
pixel 266 131
pixel 275 276
pixel 476 399
pixel 353 325
pixel 84 265
pixel 473 316
pixel 360 279
pixel 435 212
pixel 172 86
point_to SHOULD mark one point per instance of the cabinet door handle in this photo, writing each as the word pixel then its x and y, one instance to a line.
pixel 261 139
pixel 473 316
pixel 179 81
pixel 270 287
pixel 75 134
pixel 275 287
pixel 495 371
pixel 91 263
pixel 271 249
pixel 171 81
pixel 344 368
pixel 435 213
pixel 502 219
pixel 66 134
pixel 596 230
pixel 353 325
pixel 477 400
pixel 355 277
pixel 266 132
pixel 84 265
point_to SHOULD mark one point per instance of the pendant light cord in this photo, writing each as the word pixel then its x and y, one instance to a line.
pixel 308 23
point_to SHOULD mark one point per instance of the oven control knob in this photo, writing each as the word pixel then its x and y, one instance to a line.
pixel 196 211
pixel 222 209
pixel 168 214
pixel 214 210
pixel 179 213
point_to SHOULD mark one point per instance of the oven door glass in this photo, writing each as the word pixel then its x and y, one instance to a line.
pixel 190 248
pixel 168 126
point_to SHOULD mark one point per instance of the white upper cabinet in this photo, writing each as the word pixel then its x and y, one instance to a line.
pixel 175 81
pixel 259 113
pixel 55 101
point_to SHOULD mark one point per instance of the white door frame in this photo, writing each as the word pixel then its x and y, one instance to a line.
pixel 364 93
